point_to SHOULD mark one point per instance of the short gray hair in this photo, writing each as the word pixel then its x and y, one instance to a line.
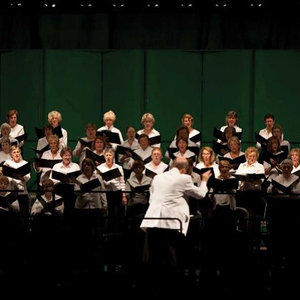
pixel 181 163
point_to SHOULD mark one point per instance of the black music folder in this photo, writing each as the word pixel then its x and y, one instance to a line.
pixel 155 140
pixel 260 139
pixel 57 130
pixel 41 151
pixel 90 185
pixel 278 157
pixel 94 156
pixel 65 190
pixel 112 137
pixel 22 137
pixel 196 138
pixel 192 158
pixel 171 152
pixel 125 150
pixel 285 188
pixel 203 170
pixel 150 173
pixel 234 161
pixel 85 143
pixel 285 149
pixel 16 173
pixel 194 149
pixel 172 149
pixel 39 132
pixel 296 173
pixel 65 178
pixel 46 163
pixel 140 188
pixel 111 174
pixel 219 148
pixel 14 143
pixel 218 134
pixel 249 177
pixel 8 200
pixel 49 206
pixel 224 185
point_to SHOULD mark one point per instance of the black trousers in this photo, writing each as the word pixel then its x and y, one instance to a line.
pixel 162 249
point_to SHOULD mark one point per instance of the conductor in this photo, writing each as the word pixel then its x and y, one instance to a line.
pixel 167 217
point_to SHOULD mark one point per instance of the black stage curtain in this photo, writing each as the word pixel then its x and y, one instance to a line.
pixel 265 29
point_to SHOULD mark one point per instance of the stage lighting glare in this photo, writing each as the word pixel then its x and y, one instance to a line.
pixel 86 5
pixel 152 5
pixel 118 4
pixel 221 5
pixel 184 5
pixel 259 4
pixel 51 5
pixel 16 4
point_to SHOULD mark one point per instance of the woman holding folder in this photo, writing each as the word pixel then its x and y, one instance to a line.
pixel 18 171
pixel 96 153
pixel 85 142
pixel 147 122
pixel 194 134
pixel 89 183
pixel 113 178
pixel 112 175
pixel 114 183
pixel 17 130
pixel 65 171
pixel 235 156
pixel 4 150
pixel 207 159
pixel 131 143
pixel 64 175
pixel 113 134
pixel 55 118
pixel 49 158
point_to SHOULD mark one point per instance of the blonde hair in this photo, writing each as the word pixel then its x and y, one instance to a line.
pixel 5 125
pixel 210 150
pixel 109 150
pixel 109 115
pixel 54 113
pixel 147 116
pixel 14 147
pixel 234 139
pixel 295 150
pixel 4 140
pixel 251 149
pixel 53 137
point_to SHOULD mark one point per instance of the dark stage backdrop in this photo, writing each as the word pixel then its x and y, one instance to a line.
pixel 269 27
pixel 83 84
